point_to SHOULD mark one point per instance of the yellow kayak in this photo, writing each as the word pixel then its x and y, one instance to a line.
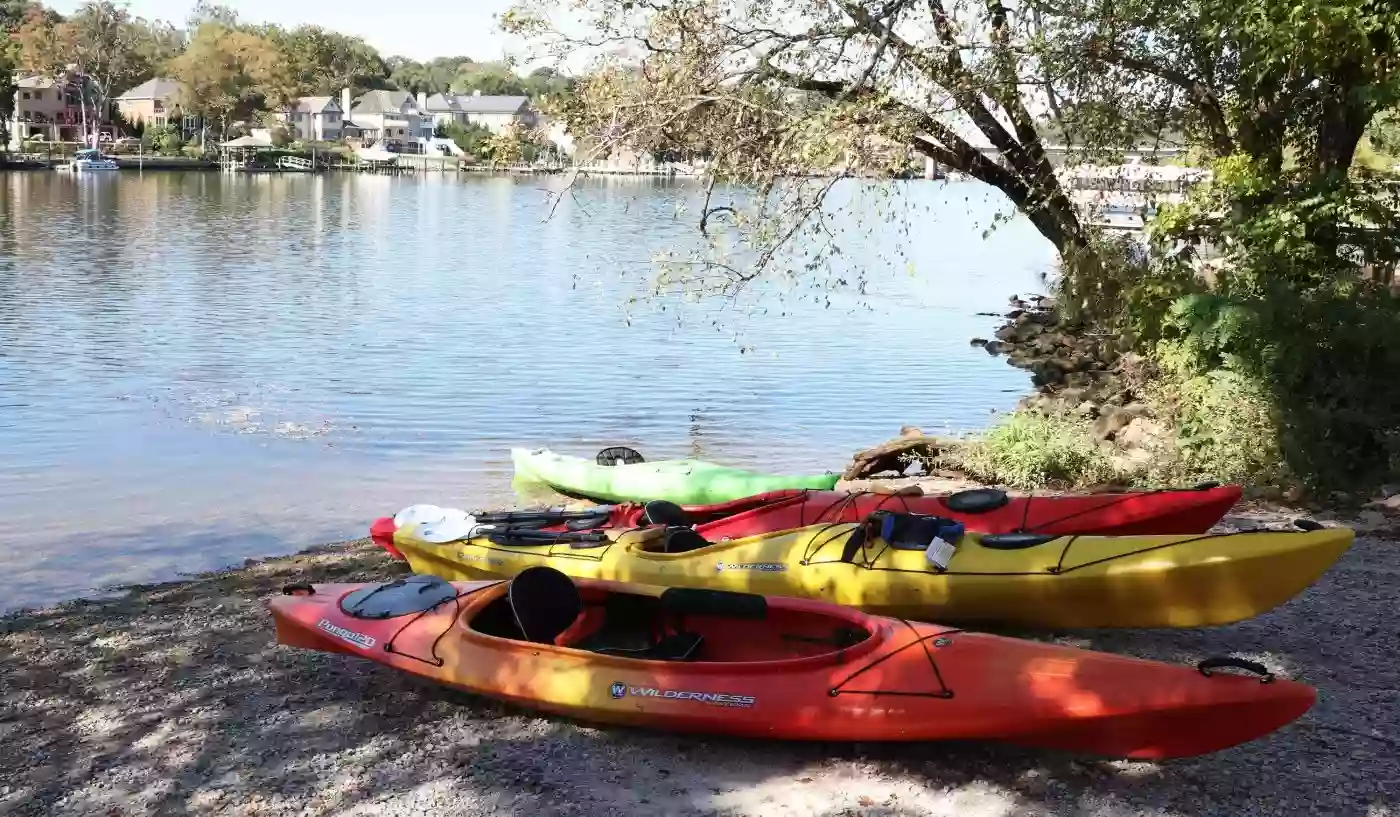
pixel 1016 579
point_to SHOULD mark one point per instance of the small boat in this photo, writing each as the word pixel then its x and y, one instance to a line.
pixel 921 567
pixel 89 160
pixel 742 665
pixel 985 510
pixel 620 475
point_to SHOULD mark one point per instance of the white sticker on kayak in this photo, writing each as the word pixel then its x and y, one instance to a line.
pixel 620 690
pixel 763 567
pixel 358 639
pixel 939 553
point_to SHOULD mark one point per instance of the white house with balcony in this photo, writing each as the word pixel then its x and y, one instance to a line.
pixel 495 113
pixel 317 118
pixel 46 109
pixel 392 117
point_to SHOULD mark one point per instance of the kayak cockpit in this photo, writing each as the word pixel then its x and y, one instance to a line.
pixel 543 606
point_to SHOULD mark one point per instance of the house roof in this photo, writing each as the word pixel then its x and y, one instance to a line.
pixel 491 104
pixel 35 82
pixel 314 104
pixel 442 102
pixel 381 102
pixel 154 88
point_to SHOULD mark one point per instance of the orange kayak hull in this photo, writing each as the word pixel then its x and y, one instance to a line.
pixel 905 681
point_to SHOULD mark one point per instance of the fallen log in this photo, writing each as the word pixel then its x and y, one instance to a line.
pixel 897 455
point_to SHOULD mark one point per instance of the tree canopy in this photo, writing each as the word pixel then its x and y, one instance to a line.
pixel 230 68
pixel 227 73
pixel 1291 323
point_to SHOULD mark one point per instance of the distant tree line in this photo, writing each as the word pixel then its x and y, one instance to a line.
pixel 229 69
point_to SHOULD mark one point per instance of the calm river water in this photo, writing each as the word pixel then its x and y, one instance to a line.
pixel 197 369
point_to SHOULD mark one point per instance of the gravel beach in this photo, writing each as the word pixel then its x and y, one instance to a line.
pixel 174 699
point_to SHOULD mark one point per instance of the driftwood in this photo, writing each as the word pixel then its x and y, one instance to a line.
pixel 897 455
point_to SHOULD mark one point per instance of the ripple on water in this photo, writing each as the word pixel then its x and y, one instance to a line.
pixel 196 368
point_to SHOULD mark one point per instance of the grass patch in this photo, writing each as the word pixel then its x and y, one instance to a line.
pixel 1029 450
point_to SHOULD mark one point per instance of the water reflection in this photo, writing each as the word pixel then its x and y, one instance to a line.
pixel 197 368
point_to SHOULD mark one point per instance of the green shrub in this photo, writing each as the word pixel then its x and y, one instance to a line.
pixel 1224 426
pixel 165 139
pixel 1028 450
pixel 1275 362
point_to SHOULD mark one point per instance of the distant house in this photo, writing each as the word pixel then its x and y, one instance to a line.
pixel 156 103
pixel 443 109
pixel 390 116
pixel 495 113
pixel 47 109
pixel 318 118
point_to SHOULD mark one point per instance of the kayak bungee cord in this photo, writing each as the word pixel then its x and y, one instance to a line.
pixel 1118 500
pixel 1057 569
pixel 434 660
pixel 841 504
pixel 943 690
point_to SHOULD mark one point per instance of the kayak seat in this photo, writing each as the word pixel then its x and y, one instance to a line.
pixel 661 512
pixel 683 540
pixel 618 455
pixel 631 628
pixel 544 602
pixel 629 625
pixel 697 601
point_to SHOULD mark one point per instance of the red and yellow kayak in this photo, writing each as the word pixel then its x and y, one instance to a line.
pixel 746 665
pixel 1165 512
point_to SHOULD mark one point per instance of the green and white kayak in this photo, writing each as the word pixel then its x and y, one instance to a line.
pixel 684 482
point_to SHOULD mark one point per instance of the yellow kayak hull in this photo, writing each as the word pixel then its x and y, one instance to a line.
pixel 1068 582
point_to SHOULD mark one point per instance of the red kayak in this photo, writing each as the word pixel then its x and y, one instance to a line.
pixel 983 510
pixel 739 664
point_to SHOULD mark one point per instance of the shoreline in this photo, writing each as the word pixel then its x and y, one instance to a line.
pixel 174 698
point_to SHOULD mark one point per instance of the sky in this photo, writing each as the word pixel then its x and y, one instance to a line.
pixel 419 31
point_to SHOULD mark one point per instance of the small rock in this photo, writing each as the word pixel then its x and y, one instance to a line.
pixel 1370 520
pixel 1072 395
pixel 1110 422
pixel 979 341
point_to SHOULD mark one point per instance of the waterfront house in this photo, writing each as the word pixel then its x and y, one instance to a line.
pixel 46 109
pixel 156 103
pixel 317 118
pixel 392 117
pixel 495 113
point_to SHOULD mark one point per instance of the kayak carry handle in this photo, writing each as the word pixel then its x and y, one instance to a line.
pixel 1205 486
pixel 1307 524
pixel 1223 661
pixel 298 589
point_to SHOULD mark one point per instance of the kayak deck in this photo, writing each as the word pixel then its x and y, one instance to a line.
pixel 785 668
pixel 1074 581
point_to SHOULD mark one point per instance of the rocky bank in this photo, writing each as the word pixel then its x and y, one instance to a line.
pixel 1073 369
